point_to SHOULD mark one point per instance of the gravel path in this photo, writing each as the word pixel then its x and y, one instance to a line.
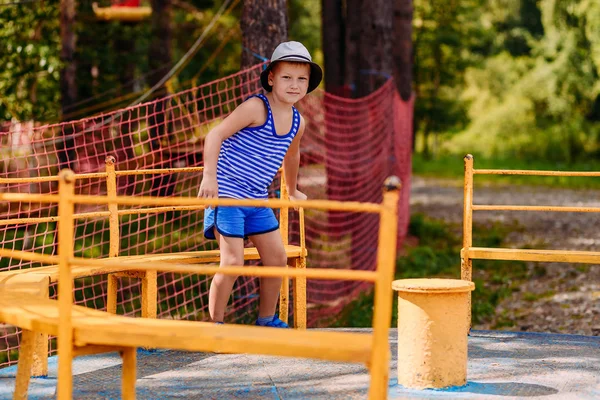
pixel 557 297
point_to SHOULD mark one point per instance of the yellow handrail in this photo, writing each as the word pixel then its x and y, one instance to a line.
pixel 533 172
pixel 263 271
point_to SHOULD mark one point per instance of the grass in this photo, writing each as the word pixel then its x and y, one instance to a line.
pixel 452 167
pixel 437 256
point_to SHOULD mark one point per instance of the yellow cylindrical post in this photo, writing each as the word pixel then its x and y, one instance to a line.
pixel 432 332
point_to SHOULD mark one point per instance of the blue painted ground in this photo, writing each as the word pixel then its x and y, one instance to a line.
pixel 501 366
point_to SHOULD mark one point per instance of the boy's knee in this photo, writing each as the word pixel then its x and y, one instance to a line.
pixel 233 261
pixel 281 259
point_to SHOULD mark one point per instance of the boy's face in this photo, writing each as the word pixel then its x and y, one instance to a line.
pixel 289 80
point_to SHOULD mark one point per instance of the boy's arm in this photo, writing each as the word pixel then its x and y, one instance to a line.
pixel 244 115
pixel 291 162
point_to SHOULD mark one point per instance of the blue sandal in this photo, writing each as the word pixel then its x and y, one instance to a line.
pixel 275 323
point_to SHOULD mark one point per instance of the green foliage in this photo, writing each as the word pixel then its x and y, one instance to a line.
pixel 305 25
pixel 539 101
pixel 111 57
pixel 29 56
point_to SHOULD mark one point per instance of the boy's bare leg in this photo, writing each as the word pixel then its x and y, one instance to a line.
pixel 232 254
pixel 272 254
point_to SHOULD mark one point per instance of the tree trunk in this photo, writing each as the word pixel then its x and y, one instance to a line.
pixel 68 88
pixel 159 64
pixel 403 14
pixel 264 25
pixel 125 44
pixel 375 45
pixel 333 38
pixel 351 37
pixel 338 49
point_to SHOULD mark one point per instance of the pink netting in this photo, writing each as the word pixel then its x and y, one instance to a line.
pixel 350 146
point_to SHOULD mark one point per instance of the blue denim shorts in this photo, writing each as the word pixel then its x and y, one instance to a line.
pixel 239 222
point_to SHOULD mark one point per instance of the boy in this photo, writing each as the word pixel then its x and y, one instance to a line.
pixel 241 158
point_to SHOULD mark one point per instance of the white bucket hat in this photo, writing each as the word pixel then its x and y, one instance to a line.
pixel 293 52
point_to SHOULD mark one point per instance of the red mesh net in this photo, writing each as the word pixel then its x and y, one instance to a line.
pixel 349 147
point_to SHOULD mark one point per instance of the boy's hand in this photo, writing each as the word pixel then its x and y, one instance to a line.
pixel 297 195
pixel 209 188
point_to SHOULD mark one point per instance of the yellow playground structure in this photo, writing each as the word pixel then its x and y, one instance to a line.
pixel 24 298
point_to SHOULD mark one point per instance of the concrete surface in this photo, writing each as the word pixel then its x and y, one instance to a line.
pixel 501 365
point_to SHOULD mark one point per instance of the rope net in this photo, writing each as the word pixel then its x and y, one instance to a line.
pixel 349 147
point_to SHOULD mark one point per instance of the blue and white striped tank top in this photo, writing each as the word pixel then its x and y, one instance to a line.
pixel 249 159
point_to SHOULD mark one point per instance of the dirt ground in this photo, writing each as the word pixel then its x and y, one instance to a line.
pixel 557 297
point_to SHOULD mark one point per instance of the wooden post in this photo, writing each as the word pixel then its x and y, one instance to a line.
pixel 466 264
pixel 65 284
pixel 113 225
pixel 382 313
pixel 284 221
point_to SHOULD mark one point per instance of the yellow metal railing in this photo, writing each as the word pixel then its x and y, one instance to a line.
pixel 469 253
pixel 149 289
pixel 378 360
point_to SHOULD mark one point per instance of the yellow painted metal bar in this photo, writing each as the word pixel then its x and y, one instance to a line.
pixel 149 294
pixel 284 292
pixel 65 285
pixel 29 198
pixel 29 256
pixel 113 208
pixel 302 232
pixel 114 236
pixel 22 221
pixel 188 201
pixel 492 207
pixel 466 264
pixel 37 179
pixel 25 363
pixel 284 299
pixel 269 271
pixel 112 289
pixel 566 256
pixel 300 295
pixel 534 172
pixel 87 350
pixel 38 220
pixel 40 352
pixel 92 214
pixel 299 287
pixel 159 171
pixel 284 211
pixel 149 210
pixel 53 178
pixel 128 377
pixel 382 308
